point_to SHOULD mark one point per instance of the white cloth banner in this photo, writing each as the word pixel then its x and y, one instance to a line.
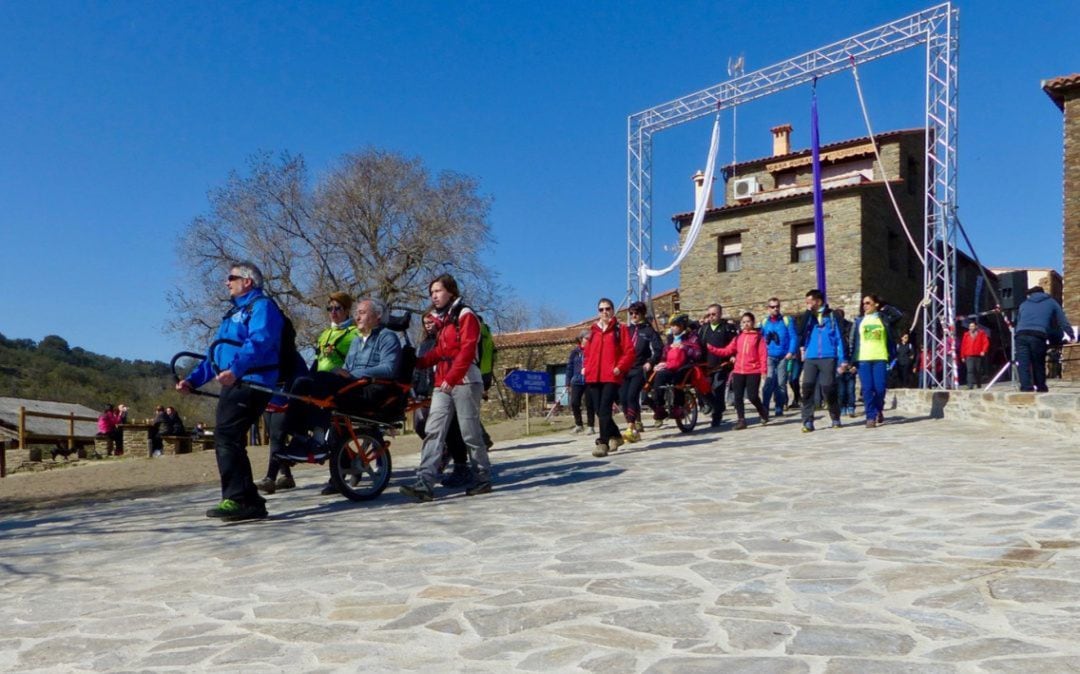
pixel 699 211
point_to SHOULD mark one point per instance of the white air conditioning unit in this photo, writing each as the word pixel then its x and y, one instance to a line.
pixel 744 188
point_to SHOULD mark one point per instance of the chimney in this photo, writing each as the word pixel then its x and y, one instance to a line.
pixel 781 140
pixel 699 184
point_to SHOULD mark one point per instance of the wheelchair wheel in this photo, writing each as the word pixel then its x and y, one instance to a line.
pixel 689 416
pixel 360 469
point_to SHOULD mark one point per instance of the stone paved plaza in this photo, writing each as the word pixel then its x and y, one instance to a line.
pixel 922 546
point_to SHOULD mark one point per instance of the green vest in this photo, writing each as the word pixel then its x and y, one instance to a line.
pixel 872 344
pixel 333 346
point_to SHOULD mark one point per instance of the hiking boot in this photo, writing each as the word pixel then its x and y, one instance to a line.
pixel 460 477
pixel 631 434
pixel 808 427
pixel 233 511
pixel 418 492
pixel 592 430
pixel 765 420
pixel 285 482
pixel 871 423
pixel 483 487
pixel 600 450
pixel 329 489
pixel 226 507
pixel 880 419
pixel 253 511
pixel 615 442
pixel 578 430
pixel 740 425
pixel 266 486
pixel 638 426
pixel 835 424
pixel 716 423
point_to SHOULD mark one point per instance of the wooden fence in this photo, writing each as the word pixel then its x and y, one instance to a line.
pixel 23 434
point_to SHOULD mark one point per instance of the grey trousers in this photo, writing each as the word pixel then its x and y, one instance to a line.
pixel 464 401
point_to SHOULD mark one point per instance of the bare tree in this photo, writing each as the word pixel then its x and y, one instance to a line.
pixel 376 225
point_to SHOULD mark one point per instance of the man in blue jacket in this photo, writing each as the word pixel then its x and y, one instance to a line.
pixel 779 333
pixel 245 350
pixel 822 346
pixel 1040 318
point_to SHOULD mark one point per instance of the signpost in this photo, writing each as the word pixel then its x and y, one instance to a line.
pixel 526 382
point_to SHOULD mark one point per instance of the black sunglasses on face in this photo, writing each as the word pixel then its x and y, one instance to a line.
pixel 605 309
pixel 332 308
pixel 774 306
pixel 233 277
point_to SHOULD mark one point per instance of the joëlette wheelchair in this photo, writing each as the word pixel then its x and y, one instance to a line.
pixel 695 384
pixel 360 463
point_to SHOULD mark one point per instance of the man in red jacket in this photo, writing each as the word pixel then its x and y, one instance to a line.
pixel 973 348
pixel 609 355
pixel 459 387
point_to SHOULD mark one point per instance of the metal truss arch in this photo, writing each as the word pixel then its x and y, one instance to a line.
pixel 937 28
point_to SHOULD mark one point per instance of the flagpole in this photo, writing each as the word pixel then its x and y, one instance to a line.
pixel 819 217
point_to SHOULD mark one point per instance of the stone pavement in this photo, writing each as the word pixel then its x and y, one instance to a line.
pixel 922 546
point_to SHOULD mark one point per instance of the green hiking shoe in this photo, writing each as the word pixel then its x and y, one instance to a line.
pixel 224 509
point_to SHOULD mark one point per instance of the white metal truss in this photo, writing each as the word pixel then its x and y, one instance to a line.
pixel 937 28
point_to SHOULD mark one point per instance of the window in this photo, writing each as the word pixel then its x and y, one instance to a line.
pixel 730 253
pixel 894 251
pixel 802 242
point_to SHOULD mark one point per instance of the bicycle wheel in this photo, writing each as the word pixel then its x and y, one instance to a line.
pixel 688 419
pixel 360 468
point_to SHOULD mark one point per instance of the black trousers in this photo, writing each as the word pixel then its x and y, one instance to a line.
pixel 630 395
pixel 603 397
pixel 351 396
pixel 577 394
pixel 819 372
pixel 238 409
pixel 973 366
pixel 719 393
pixel 1031 361
pixel 275 428
pixel 747 385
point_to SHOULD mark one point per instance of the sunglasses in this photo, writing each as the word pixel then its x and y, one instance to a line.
pixel 605 308
pixel 774 306
pixel 867 302
pixel 234 277
pixel 333 307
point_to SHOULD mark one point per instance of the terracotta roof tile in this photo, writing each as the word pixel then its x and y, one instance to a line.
pixel 824 148
pixel 1056 87
pixel 566 334
pixel 785 194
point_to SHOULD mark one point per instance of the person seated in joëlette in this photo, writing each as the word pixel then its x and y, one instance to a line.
pixel 364 386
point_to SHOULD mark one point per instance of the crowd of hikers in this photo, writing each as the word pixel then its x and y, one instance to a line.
pixel 366 366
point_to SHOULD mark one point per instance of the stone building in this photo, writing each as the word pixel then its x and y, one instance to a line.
pixel 1065 93
pixel 761 243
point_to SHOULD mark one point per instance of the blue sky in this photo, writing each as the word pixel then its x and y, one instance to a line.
pixel 119 117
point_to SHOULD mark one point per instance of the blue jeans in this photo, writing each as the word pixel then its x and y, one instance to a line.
pixel 872 374
pixel 775 384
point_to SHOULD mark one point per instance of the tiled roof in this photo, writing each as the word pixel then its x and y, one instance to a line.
pixel 785 194
pixel 550 336
pixel 9 417
pixel 1057 87
pixel 824 148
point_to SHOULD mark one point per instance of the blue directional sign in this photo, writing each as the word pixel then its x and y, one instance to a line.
pixel 525 381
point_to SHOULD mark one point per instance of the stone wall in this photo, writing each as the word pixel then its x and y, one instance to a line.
pixel 1041 412
pixel 1071 268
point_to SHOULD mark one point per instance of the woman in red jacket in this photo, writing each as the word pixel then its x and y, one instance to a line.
pixel 973 348
pixel 609 354
pixel 751 362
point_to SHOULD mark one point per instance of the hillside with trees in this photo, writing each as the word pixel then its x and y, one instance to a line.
pixel 52 370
